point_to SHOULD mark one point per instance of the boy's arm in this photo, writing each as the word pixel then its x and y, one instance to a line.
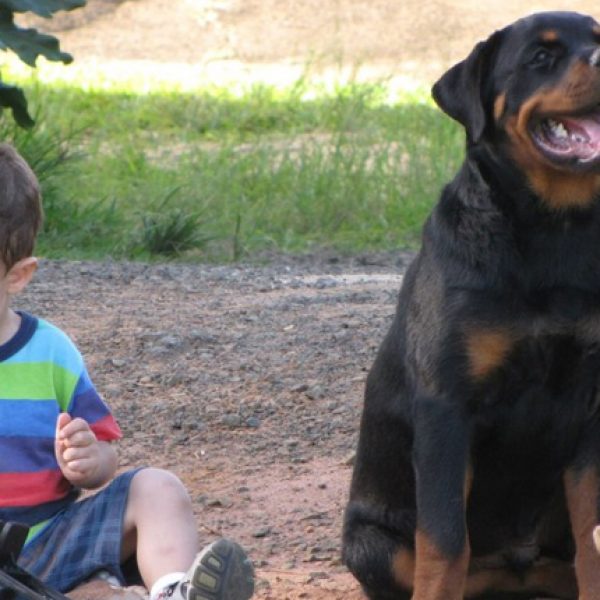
pixel 86 462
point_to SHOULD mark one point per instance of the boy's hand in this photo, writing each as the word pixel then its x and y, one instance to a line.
pixel 83 460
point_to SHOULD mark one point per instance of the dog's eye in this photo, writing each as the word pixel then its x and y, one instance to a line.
pixel 542 57
pixel 545 55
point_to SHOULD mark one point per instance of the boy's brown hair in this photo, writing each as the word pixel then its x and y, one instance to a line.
pixel 20 207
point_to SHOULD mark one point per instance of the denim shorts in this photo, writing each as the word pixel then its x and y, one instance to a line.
pixel 82 539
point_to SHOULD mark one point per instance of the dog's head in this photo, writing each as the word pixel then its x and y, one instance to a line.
pixel 532 92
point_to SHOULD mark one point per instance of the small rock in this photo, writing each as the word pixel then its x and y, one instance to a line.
pixel 231 420
pixel 315 393
pixel 262 533
pixel 219 503
pixel 348 461
pixel 325 282
pixel 298 388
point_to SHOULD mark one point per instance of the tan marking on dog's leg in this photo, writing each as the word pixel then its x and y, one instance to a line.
pixel 553 578
pixel 403 568
pixel 438 577
pixel 486 351
pixel 582 489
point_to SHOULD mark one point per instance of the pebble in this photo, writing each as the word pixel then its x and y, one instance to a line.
pixel 231 420
pixel 261 533
pixel 299 387
pixel 219 502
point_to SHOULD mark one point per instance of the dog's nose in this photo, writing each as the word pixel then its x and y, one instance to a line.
pixel 595 58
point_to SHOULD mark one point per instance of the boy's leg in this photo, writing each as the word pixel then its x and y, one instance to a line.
pixel 159 526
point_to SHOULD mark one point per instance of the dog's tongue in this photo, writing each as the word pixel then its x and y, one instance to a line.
pixel 579 135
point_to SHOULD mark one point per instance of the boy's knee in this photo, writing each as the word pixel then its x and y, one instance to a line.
pixel 158 485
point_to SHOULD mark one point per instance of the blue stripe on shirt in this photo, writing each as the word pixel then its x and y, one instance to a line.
pixel 38 457
pixel 27 418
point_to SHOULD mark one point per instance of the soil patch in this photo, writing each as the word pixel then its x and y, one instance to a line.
pixel 247 382
pixel 232 40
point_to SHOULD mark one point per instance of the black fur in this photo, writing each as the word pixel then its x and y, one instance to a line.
pixel 496 256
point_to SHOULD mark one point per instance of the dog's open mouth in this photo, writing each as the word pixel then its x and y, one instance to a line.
pixel 573 139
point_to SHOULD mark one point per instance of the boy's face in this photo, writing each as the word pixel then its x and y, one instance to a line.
pixel 3 289
pixel 14 280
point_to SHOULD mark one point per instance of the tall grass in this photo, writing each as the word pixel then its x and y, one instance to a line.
pixel 213 175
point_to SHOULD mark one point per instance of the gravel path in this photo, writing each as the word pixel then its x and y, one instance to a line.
pixel 244 380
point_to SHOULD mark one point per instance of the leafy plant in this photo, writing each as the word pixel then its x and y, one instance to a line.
pixel 28 44
pixel 171 231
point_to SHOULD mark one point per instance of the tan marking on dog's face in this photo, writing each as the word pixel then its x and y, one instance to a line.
pixel 499 106
pixel 560 191
pixel 596 30
pixel 438 577
pixel 549 36
pixel 487 351
pixel 582 491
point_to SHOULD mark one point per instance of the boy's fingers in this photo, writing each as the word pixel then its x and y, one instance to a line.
pixel 74 427
pixel 80 439
pixel 61 422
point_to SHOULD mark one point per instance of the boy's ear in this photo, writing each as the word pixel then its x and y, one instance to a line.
pixel 20 274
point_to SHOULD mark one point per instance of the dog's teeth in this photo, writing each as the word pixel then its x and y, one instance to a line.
pixel 558 129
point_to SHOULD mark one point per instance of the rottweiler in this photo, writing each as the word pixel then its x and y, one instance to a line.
pixel 477 473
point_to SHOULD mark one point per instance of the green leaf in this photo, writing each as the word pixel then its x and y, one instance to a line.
pixel 13 97
pixel 28 44
pixel 43 8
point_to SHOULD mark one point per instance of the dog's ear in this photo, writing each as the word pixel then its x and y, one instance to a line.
pixel 459 92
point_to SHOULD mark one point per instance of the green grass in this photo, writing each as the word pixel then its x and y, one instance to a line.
pixel 212 175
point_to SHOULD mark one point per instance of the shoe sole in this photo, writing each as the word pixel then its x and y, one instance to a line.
pixel 222 571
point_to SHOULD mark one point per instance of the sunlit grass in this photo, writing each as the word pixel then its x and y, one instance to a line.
pixel 351 166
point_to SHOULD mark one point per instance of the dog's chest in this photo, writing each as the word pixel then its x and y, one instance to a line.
pixel 545 394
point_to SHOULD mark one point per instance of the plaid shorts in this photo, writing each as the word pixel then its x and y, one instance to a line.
pixel 82 539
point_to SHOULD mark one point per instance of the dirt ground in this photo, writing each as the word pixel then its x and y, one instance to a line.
pixel 275 40
pixel 244 380
pixel 247 380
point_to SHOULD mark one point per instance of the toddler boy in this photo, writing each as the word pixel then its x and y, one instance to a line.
pixel 56 438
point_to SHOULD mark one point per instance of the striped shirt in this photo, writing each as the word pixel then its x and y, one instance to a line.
pixel 41 375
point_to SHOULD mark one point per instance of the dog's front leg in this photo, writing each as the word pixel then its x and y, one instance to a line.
pixel 441 450
pixel 582 487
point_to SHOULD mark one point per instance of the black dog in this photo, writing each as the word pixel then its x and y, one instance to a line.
pixel 478 466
